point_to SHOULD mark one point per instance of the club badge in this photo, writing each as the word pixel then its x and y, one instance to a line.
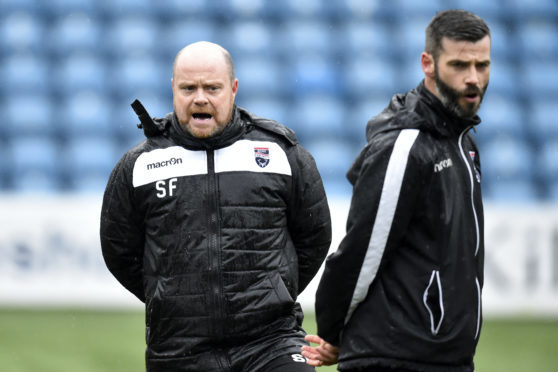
pixel 261 154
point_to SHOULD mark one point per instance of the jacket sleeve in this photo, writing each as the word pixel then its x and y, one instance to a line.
pixel 309 218
pixel 122 235
pixel 377 205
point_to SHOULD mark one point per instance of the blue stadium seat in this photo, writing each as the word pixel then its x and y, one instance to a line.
pixel 255 9
pixel 366 37
pixel 503 43
pixel 24 73
pixel 318 115
pixel 314 74
pixel 546 161
pixel 408 35
pixel 266 107
pixel 21 31
pixel 518 191
pixel 89 161
pixel 507 159
pixel 423 8
pixel 260 76
pixel 366 75
pixel 132 35
pixel 140 73
pixel 540 79
pixel 543 117
pixel 409 75
pixel 322 9
pixel 485 9
pixel 178 9
pixel 551 192
pixel 58 8
pixel 117 8
pixel 81 71
pixel 333 158
pixel 75 32
pixel 503 78
pixel 361 112
pixel 501 115
pixel 35 164
pixel 177 34
pixel 9 6
pixel 86 114
pixel 538 38
pixel 28 114
pixel 250 38
pixel 308 36
pixel 368 9
pixel 534 8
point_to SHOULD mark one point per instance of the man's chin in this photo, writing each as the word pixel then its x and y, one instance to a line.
pixel 203 131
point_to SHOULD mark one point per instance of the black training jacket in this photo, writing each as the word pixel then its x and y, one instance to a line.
pixel 217 237
pixel 403 290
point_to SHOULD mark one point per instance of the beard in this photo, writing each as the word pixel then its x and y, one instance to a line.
pixel 450 97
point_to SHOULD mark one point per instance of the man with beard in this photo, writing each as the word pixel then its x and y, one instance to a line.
pixel 403 290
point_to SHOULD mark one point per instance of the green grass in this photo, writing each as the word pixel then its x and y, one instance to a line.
pixel 113 341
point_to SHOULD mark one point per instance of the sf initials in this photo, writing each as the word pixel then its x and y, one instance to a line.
pixel 161 187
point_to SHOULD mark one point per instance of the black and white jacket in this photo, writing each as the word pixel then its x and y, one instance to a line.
pixel 403 290
pixel 217 237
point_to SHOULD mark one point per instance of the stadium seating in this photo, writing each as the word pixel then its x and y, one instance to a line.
pixel 71 68
pixel 88 162
pixel 74 32
pixel 21 31
pixel 35 164
pixel 24 72
pixel 85 114
pixel 507 159
pixel 28 114
pixel 80 71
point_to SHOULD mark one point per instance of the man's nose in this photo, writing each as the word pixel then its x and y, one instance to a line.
pixel 200 97
pixel 472 77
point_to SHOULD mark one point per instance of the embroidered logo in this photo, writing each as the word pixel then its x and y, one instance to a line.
pixel 472 154
pixel 261 155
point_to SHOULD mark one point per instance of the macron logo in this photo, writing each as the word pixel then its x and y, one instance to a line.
pixel 160 164
pixel 438 167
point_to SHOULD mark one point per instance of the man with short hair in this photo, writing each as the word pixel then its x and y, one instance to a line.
pixel 217 221
pixel 403 290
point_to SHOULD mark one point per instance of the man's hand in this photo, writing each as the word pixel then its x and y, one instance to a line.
pixel 325 354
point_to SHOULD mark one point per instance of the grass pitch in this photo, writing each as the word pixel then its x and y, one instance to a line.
pixel 113 341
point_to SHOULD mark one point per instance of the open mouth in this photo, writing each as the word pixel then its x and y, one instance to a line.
pixel 471 96
pixel 201 116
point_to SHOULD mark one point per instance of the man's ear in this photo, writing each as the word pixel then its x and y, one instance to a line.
pixel 428 65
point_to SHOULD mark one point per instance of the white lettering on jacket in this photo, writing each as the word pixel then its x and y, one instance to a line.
pixel 438 167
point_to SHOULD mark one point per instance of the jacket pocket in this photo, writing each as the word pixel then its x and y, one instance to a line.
pixel 152 315
pixel 283 295
pixel 434 302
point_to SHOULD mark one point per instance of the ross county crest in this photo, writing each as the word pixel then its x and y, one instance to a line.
pixel 261 155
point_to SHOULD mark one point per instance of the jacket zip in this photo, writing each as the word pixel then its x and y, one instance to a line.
pixel 472 187
pixel 214 252
pixel 472 180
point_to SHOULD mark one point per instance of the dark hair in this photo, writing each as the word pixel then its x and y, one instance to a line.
pixel 457 25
